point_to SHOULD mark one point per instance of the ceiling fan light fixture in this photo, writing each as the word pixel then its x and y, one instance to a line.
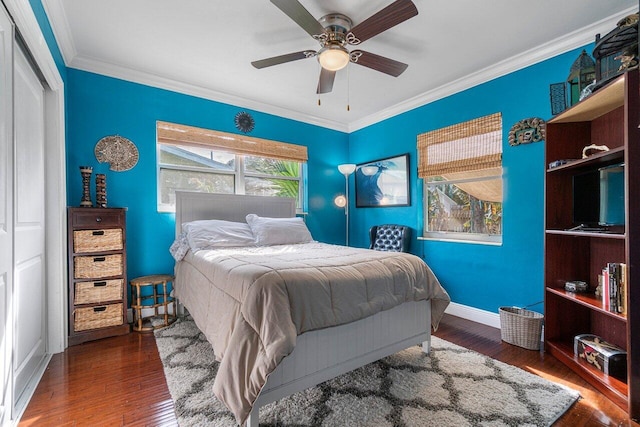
pixel 333 57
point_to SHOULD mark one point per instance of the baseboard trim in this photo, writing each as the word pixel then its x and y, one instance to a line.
pixel 474 314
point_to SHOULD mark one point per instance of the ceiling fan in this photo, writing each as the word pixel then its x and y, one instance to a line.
pixel 334 31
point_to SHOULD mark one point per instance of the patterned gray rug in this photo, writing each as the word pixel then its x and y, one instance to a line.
pixel 453 386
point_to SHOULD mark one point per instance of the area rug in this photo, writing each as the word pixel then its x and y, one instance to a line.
pixel 452 386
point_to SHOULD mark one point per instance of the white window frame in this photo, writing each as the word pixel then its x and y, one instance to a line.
pixel 239 175
pixel 456 236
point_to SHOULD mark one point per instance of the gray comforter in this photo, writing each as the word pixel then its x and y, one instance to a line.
pixel 251 303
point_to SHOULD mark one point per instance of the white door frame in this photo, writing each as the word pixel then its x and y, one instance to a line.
pixel 55 173
pixel 6 218
pixel 55 196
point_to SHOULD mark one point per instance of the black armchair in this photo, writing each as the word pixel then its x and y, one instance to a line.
pixel 390 237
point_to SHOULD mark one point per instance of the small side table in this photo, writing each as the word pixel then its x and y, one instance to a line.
pixel 159 298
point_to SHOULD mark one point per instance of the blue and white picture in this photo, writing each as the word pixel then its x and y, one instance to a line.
pixel 383 182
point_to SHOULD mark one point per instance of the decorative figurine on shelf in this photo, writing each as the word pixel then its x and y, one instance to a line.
pixel 101 191
pixel 86 172
pixel 585 150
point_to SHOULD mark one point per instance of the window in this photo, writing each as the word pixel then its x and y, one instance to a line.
pixel 461 168
pixel 194 159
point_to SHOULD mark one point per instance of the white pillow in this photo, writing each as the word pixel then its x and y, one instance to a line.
pixel 213 233
pixel 278 231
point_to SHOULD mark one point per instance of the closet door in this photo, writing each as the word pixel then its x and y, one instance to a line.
pixel 6 214
pixel 29 225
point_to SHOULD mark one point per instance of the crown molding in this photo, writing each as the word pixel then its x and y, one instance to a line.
pixel 533 56
pixel 61 29
pixel 149 79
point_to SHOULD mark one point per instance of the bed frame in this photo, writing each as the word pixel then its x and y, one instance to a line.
pixel 323 354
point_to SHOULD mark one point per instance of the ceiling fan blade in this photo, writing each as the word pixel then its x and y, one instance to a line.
pixel 325 84
pixel 294 10
pixel 392 15
pixel 268 62
pixel 379 63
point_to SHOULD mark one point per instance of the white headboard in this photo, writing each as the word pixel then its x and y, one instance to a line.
pixel 191 206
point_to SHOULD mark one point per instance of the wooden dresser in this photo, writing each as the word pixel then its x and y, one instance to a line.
pixel 97 273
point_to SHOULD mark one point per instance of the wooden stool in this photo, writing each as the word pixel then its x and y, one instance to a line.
pixel 159 298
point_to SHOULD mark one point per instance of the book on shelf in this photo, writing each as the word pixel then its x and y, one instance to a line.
pixel 623 290
pixel 614 288
pixel 605 289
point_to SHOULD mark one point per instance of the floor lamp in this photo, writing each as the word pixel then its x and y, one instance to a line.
pixel 347 169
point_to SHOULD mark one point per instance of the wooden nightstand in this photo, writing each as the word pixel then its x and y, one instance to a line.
pixel 159 297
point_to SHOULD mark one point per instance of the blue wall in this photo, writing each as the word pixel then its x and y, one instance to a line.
pixel 480 276
pixel 99 106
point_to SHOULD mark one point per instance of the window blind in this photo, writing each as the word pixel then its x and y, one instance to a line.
pixel 468 146
pixel 176 134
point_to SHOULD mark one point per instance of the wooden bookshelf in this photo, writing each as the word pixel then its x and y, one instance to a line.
pixel 608 117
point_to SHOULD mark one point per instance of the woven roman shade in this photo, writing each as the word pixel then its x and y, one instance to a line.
pixel 175 134
pixel 467 146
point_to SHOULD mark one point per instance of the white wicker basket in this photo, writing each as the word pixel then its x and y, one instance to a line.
pixel 521 327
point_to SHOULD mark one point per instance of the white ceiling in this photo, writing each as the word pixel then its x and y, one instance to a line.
pixel 205 47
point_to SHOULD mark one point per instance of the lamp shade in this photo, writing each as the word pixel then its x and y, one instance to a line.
pixel 347 168
pixel 340 201
pixel 333 57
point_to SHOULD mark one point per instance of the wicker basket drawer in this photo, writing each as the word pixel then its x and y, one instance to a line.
pixel 97 240
pixel 98 291
pixel 96 317
pixel 91 267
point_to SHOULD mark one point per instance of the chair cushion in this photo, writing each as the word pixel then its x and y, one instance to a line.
pixel 390 237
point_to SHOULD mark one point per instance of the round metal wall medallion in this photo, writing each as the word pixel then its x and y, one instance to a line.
pixel 118 151
pixel 244 122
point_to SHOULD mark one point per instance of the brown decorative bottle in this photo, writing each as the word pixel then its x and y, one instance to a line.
pixel 101 190
pixel 86 172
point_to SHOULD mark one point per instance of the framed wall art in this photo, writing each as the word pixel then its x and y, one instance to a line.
pixel 383 182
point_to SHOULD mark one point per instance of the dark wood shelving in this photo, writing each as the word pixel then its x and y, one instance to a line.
pixel 602 158
pixel 613 388
pixel 588 300
pixel 603 235
pixel 608 117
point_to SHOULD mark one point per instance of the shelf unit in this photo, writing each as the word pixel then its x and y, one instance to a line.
pixel 608 117
pixel 97 273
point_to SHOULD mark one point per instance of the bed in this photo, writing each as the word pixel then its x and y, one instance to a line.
pixel 303 349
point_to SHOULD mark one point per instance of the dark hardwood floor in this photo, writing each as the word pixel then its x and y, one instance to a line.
pixel 119 381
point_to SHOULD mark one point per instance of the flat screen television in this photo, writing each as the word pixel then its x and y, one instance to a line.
pixel 598 197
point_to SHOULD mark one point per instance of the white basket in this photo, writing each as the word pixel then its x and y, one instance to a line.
pixel 521 327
